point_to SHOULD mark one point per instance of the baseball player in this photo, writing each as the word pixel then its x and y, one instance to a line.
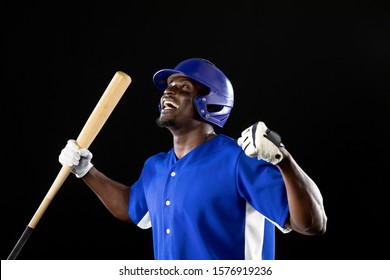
pixel 210 196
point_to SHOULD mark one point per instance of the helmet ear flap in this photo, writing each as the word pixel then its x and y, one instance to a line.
pixel 213 108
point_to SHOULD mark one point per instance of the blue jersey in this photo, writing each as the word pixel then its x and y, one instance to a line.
pixel 213 203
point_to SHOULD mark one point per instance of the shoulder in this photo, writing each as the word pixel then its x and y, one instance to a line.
pixel 225 145
pixel 231 144
pixel 157 157
pixel 225 140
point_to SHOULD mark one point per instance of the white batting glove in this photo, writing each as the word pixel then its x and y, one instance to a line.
pixel 78 159
pixel 258 140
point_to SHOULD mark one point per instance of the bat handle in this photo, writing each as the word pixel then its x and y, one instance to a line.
pixel 19 245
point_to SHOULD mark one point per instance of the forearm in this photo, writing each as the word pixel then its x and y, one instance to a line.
pixel 114 195
pixel 307 214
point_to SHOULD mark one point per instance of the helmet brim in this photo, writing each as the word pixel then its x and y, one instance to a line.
pixel 160 78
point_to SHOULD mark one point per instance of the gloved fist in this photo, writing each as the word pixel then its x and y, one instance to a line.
pixel 258 140
pixel 79 159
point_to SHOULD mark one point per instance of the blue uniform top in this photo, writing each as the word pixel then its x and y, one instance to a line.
pixel 213 203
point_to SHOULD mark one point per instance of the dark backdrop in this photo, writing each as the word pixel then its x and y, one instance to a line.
pixel 317 74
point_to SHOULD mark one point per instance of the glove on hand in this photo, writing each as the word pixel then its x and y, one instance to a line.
pixel 258 140
pixel 79 159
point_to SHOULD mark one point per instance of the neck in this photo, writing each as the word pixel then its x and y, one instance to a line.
pixel 185 142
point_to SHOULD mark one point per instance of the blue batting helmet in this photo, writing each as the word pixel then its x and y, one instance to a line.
pixel 221 94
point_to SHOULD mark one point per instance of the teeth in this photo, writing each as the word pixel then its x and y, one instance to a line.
pixel 166 102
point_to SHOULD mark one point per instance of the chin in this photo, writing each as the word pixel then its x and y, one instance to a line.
pixel 165 122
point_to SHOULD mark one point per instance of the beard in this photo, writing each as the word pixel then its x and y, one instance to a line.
pixel 165 123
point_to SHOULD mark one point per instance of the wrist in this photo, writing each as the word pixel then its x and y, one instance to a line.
pixel 286 156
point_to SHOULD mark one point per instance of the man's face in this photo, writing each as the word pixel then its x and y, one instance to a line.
pixel 177 108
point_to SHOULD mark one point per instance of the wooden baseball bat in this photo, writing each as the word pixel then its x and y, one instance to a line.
pixel 110 98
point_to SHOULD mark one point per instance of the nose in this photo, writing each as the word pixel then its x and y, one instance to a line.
pixel 171 89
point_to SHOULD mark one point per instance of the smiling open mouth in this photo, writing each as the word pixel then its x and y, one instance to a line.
pixel 170 105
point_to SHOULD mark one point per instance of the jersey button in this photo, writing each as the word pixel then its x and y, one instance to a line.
pixel 173 174
pixel 168 231
pixel 167 203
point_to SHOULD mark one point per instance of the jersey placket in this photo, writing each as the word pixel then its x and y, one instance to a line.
pixel 168 219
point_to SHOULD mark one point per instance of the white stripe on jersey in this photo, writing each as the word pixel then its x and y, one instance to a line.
pixel 254 233
pixel 145 221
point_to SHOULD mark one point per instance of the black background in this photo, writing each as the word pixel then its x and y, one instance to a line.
pixel 316 73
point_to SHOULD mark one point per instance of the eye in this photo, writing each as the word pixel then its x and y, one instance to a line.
pixel 184 86
pixel 181 85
